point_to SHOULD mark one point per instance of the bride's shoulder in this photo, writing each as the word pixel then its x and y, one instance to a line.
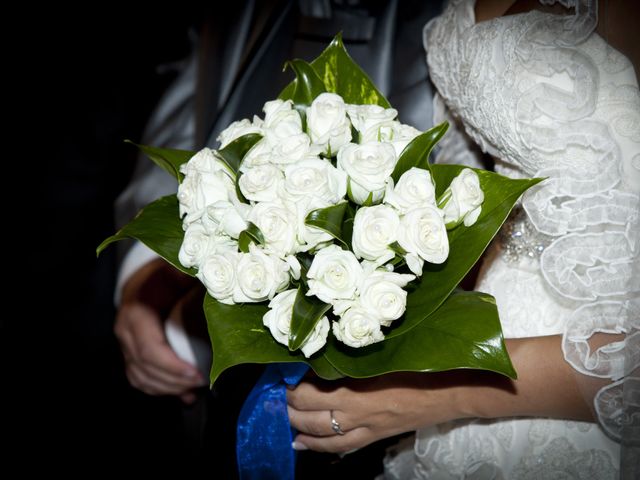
pixel 489 9
pixel 616 19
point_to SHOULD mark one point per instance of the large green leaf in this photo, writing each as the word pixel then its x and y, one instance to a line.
pixel 306 313
pixel 307 84
pixel 330 219
pixel 234 153
pixel 416 153
pixel 168 159
pixel 238 336
pixel 159 227
pixel 252 234
pixel 341 75
pixel 463 333
pixel 466 244
pixel 347 225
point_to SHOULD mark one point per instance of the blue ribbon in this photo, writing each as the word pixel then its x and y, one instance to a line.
pixel 264 435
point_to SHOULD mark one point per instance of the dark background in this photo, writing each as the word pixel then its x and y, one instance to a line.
pixel 105 72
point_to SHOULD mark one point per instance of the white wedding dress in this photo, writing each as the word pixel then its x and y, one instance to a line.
pixel 547 97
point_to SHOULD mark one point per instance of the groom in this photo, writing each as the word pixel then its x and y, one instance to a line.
pixel 234 69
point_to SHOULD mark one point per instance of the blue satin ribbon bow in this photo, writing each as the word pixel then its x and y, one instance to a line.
pixel 264 435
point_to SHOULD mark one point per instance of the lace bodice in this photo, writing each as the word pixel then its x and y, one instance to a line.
pixel 546 96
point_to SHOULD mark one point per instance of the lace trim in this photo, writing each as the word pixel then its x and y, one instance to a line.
pixel 612 360
pixel 618 407
pixel 589 266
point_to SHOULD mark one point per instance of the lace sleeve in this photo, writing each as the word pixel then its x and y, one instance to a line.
pixel 589 206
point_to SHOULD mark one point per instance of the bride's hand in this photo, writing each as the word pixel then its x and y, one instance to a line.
pixel 371 409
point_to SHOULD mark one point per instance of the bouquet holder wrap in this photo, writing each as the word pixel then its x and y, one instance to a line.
pixel 264 434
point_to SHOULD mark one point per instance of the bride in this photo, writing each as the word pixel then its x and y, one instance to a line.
pixel 546 93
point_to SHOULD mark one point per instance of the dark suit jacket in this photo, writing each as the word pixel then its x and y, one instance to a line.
pixel 236 66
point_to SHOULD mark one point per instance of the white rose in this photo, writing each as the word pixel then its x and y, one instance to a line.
pixel 261 183
pixel 224 218
pixel 315 177
pixel 239 129
pixel 382 294
pixel 383 132
pixel 218 274
pixel 259 154
pixel 259 276
pixel 358 328
pixel 374 229
pixel 334 274
pixel 198 244
pixel 220 244
pixel 195 246
pixel 289 149
pixel 395 133
pixel 281 119
pixel 462 201
pixel 368 166
pixel 205 161
pixel 278 224
pixel 402 135
pixel 341 306
pixel 414 189
pixel 201 189
pixel 278 321
pixel 294 266
pixel 317 338
pixel 327 122
pixel 415 263
pixel 308 236
pixel 278 318
pixel 422 231
pixel 367 118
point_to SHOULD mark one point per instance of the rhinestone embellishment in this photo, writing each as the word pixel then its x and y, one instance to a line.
pixel 520 239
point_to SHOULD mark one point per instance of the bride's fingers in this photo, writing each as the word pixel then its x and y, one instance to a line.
pixel 352 440
pixel 317 423
pixel 308 396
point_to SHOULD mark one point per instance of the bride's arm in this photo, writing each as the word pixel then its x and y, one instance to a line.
pixel 547 385
pixel 376 408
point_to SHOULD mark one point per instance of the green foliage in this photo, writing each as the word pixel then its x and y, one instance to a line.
pixel 340 74
pixel 168 159
pixel 331 220
pixel 307 311
pixel 416 153
pixel 233 154
pixel 307 84
pixel 251 235
pixel 159 227
pixel 238 336
pixel 463 333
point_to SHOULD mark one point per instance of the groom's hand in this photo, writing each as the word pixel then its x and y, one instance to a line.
pixel 148 297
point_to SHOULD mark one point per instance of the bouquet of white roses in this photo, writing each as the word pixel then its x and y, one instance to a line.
pixel 323 226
